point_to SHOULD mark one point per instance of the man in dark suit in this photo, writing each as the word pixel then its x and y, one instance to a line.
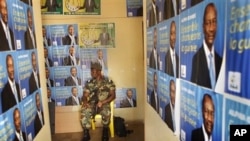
pixel 29 35
pixel 100 59
pixel 34 80
pixel 154 60
pixel 89 5
pixel 170 107
pixel 46 40
pixel 71 38
pixel 6 34
pixel 51 5
pixel 128 101
pixel 48 61
pixel 19 135
pixel 49 82
pixel 171 8
pixel 72 80
pixel 50 99
pixel 71 59
pixel 39 118
pixel 73 99
pixel 205 132
pixel 154 99
pixel 104 37
pixel 153 15
pixel 206 62
pixel 172 59
pixel 10 94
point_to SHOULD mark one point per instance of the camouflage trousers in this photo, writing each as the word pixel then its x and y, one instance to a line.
pixel 87 114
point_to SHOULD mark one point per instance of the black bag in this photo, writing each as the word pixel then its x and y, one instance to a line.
pixel 120 128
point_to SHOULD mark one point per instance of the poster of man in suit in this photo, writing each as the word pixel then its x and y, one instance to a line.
pixel 101 35
pixel 202 110
pixel 84 7
pixel 126 98
pixel 51 6
pixel 10 94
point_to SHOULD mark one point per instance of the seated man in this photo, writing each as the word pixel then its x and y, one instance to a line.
pixel 101 92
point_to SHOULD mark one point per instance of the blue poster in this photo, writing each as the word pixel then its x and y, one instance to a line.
pixel 125 98
pixel 153 89
pixel 57 32
pixel 200 39
pixel 94 55
pixel 169 46
pixel 236 113
pixel 34 116
pixel 63 76
pixel 163 92
pixel 9 76
pixel 200 108
pixel 237 50
pixel 11 122
pixel 19 19
pixel 163 43
pixel 66 55
pixel 134 8
pixel 64 95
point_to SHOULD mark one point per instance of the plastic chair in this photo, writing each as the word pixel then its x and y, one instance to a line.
pixel 111 124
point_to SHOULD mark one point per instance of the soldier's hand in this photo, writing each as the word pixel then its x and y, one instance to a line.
pixel 99 104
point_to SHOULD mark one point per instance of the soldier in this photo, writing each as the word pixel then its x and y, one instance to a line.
pixel 99 92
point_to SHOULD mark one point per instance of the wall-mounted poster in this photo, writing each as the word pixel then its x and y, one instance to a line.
pixel 97 35
pixel 134 8
pixel 51 6
pixel 238 52
pixel 81 7
pixel 200 110
pixel 125 98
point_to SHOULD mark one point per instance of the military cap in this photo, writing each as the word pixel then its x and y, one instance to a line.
pixel 96 65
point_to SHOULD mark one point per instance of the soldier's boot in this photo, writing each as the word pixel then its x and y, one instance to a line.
pixel 86 136
pixel 105 134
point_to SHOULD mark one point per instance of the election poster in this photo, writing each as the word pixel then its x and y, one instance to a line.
pixel 125 98
pixel 83 7
pixel 237 50
pixel 97 35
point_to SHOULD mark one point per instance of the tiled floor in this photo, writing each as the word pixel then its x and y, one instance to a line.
pixel 137 135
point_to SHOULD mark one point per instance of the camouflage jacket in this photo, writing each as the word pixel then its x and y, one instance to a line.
pixel 99 90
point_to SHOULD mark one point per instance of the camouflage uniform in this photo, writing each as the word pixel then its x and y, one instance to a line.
pixel 99 91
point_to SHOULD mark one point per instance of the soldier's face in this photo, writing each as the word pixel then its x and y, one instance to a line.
pixel 93 73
